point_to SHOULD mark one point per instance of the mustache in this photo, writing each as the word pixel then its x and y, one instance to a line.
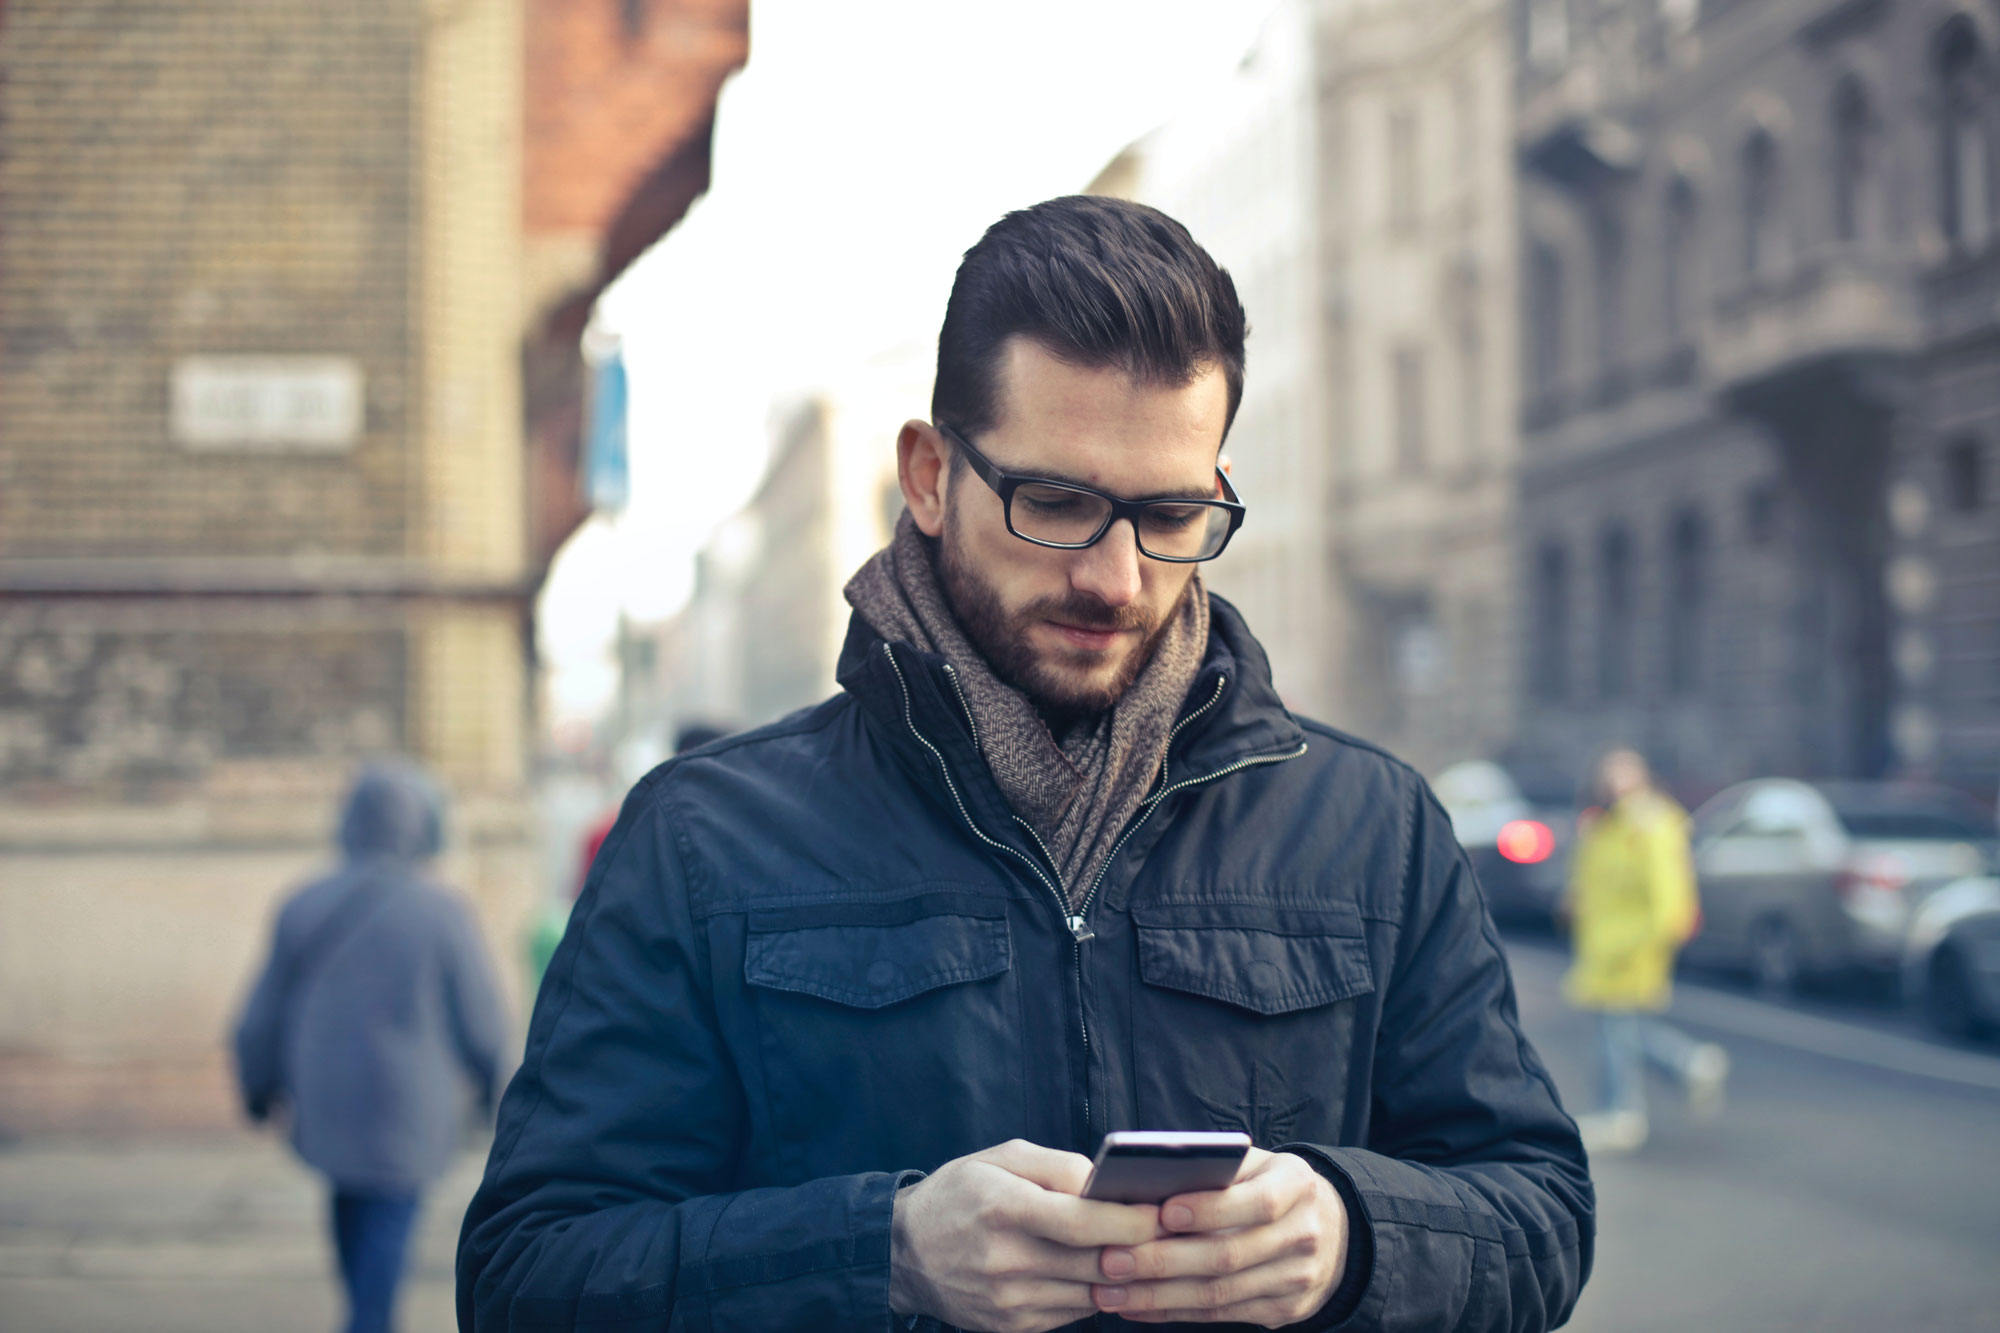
pixel 1087 612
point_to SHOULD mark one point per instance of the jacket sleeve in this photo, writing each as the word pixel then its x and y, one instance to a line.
pixel 608 1199
pixel 259 1039
pixel 1472 1205
pixel 478 1018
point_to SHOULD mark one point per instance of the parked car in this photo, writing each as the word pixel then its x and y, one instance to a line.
pixel 1951 961
pixel 1518 848
pixel 1812 879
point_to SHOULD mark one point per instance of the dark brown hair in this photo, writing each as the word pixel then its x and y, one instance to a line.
pixel 1098 283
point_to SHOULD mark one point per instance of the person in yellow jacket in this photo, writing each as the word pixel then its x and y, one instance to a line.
pixel 1632 904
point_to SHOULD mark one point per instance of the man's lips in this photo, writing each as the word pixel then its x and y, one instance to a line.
pixel 1086 637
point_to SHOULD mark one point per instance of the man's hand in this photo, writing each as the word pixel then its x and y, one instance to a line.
pixel 999 1240
pixel 1268 1250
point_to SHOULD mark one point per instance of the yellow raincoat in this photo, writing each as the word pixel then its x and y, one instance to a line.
pixel 1632 904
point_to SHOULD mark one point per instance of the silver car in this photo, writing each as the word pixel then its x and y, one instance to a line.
pixel 1811 879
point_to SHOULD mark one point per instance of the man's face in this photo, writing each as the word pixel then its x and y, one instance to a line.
pixel 1072 629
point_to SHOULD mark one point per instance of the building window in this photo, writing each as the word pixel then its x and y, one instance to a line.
pixel 1549 669
pixel 1608 253
pixel 1614 614
pixel 1678 288
pixel 1547 38
pixel 1851 131
pixel 1964 476
pixel 1762 218
pixel 1964 201
pixel 1465 124
pixel 1545 315
pixel 1471 389
pixel 1687 592
pixel 1404 205
pixel 1760 514
pixel 1411 428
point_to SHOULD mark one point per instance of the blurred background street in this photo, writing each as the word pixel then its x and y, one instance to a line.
pixel 512 385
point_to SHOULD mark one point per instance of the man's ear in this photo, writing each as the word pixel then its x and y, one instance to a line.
pixel 923 464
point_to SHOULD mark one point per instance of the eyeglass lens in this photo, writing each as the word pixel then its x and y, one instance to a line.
pixel 1072 518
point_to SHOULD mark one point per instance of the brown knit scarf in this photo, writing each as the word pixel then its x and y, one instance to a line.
pixel 1079 792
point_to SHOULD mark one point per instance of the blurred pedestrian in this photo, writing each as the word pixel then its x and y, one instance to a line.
pixel 374 1016
pixel 1632 905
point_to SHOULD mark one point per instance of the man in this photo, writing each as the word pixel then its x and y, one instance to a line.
pixel 373 1018
pixel 849 998
pixel 1632 905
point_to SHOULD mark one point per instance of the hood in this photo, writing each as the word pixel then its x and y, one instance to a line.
pixel 394 812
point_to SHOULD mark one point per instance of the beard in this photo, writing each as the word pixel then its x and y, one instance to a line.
pixel 1062 691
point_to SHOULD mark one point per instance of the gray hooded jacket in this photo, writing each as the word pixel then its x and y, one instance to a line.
pixel 376 1013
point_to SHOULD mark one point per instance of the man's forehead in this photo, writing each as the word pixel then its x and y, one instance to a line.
pixel 1072 421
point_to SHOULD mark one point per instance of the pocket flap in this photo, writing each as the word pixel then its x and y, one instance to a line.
pixel 870 966
pixel 1266 971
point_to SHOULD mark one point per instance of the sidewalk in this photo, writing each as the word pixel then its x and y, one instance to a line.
pixel 204 1237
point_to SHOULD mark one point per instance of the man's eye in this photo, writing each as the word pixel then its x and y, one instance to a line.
pixel 1052 506
pixel 1173 518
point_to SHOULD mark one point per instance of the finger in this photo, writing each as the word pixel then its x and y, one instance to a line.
pixel 1052 1169
pixel 1085 1224
pixel 1266 1313
pixel 1021 1255
pixel 1206 1255
pixel 1287 1280
pixel 1275 1188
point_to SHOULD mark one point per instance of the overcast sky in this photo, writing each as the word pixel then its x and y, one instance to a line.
pixel 864 147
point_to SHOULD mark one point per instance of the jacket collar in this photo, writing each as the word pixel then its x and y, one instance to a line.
pixel 1231 714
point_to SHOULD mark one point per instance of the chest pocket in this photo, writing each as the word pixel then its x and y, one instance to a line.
pixel 873 966
pixel 1246 1018
pixel 862 1007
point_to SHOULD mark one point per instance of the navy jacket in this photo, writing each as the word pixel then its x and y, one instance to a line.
pixel 375 1014
pixel 818 959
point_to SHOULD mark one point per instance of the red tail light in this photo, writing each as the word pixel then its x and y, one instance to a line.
pixel 1870 875
pixel 1525 841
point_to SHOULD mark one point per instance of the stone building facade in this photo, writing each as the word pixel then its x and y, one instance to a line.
pixel 1761 380
pixel 1355 178
pixel 264 499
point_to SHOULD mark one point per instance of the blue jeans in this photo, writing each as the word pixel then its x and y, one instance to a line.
pixel 1629 1041
pixel 371 1233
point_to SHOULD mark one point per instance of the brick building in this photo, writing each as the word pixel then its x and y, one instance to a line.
pixel 266 501
pixel 1761 252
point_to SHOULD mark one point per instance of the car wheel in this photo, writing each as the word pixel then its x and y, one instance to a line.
pixel 1948 1001
pixel 1776 964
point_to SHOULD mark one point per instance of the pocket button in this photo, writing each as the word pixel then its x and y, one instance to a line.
pixel 882 974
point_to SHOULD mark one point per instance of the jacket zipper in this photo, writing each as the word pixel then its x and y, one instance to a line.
pixel 1079 927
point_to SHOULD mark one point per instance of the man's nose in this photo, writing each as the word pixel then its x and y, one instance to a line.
pixel 1109 570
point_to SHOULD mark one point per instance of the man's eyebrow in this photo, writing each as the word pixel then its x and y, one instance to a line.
pixel 1209 492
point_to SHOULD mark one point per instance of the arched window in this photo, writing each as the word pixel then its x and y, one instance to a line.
pixel 1763 238
pixel 1852 129
pixel 1550 667
pixel 1545 316
pixel 1687 595
pixel 1964 194
pixel 1680 277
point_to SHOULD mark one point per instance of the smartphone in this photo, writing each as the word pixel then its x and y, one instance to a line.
pixel 1152 1166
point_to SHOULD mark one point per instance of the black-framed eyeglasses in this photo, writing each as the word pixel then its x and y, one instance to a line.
pixel 1069 517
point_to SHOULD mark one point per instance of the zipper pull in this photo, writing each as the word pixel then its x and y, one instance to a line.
pixel 1080 929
